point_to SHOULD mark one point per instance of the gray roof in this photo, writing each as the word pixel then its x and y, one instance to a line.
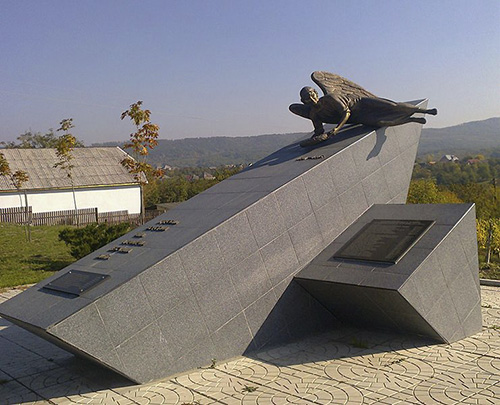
pixel 92 167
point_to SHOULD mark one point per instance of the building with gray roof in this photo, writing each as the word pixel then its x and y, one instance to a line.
pixel 100 181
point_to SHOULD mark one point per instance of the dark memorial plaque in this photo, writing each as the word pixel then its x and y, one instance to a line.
pixel 384 240
pixel 75 282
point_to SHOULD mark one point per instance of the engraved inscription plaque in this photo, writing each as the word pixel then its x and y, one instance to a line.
pixel 384 240
pixel 75 282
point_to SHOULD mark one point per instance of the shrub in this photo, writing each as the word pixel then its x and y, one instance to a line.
pixel 83 241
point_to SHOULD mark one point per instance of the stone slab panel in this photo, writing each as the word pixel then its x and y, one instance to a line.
pixel 344 172
pixel 218 300
pixel 319 185
pixel 376 188
pixel 86 330
pixel 266 220
pixel 125 311
pixel 306 239
pixel 182 327
pixel 331 220
pixel 165 284
pixel 294 202
pixel 250 279
pixel 365 155
pixel 146 344
pixel 279 258
pixel 235 240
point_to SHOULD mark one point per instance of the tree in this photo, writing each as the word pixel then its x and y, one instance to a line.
pixel 18 178
pixel 64 151
pixel 488 236
pixel 485 196
pixel 423 192
pixel 36 140
pixel 144 138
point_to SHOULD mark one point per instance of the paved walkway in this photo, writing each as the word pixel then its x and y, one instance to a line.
pixel 342 367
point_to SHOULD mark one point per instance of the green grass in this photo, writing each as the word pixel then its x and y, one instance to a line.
pixel 492 270
pixel 23 262
pixel 492 273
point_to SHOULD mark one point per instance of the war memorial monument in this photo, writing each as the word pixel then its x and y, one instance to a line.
pixel 311 237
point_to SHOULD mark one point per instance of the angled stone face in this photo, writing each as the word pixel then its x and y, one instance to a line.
pixel 431 291
pixel 219 282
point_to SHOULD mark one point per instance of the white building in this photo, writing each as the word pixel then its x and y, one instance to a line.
pixel 449 159
pixel 99 179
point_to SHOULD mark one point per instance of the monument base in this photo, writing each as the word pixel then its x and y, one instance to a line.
pixel 432 290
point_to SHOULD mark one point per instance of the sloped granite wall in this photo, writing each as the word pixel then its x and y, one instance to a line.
pixel 219 283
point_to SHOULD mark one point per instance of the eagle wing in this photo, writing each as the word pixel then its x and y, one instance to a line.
pixel 339 86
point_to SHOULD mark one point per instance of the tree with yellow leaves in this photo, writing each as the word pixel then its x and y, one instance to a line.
pixel 144 138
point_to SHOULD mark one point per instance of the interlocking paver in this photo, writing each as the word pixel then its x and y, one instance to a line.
pixel 345 366
pixel 491 317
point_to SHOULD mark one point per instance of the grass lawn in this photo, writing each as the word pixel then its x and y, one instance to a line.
pixel 23 262
pixel 491 271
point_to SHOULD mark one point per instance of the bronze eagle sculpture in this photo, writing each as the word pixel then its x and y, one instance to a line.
pixel 345 102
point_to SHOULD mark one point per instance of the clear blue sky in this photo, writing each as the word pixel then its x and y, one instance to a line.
pixel 213 67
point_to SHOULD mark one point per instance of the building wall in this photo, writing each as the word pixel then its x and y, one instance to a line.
pixel 106 199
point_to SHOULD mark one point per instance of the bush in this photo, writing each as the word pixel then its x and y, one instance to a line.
pixel 83 241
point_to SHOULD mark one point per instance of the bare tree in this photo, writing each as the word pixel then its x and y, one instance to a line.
pixel 65 145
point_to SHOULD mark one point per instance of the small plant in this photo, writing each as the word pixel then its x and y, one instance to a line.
pixel 64 151
pixel 17 178
pixel 249 388
pixel 397 361
pixel 359 343
pixel 83 241
pixel 2 381
pixel 486 306
pixel 213 363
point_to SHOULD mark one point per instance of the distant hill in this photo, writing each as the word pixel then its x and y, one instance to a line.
pixel 216 151
pixel 469 138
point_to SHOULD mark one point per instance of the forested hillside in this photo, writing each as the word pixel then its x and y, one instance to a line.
pixel 469 138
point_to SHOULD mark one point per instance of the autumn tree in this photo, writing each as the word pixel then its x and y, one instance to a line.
pixel 144 138
pixel 65 145
pixel 17 178
pixel 488 236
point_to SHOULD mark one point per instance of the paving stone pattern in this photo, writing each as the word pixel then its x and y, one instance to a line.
pixel 343 366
